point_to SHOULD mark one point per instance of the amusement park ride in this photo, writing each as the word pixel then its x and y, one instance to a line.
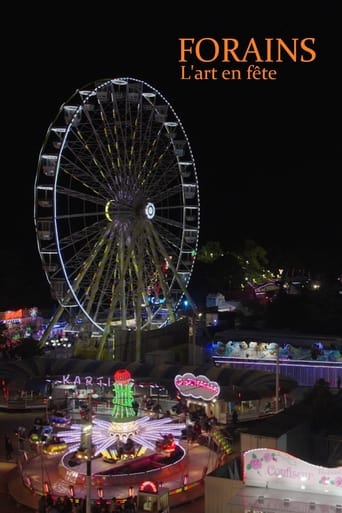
pixel 98 454
pixel 116 210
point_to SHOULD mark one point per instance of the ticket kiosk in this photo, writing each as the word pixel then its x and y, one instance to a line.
pixel 152 497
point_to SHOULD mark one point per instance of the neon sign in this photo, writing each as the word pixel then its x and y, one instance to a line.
pixel 198 387
pixel 102 381
pixel 148 486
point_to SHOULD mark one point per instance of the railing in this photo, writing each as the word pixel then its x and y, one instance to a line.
pixel 305 372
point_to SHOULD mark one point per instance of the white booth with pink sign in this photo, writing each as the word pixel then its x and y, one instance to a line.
pixel 279 482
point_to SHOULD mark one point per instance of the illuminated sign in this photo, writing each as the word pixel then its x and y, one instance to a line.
pixel 198 387
pixel 121 375
pixel 67 379
pixel 148 486
pixel 276 469
pixel 22 313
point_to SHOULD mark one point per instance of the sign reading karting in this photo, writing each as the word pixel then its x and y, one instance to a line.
pixel 198 387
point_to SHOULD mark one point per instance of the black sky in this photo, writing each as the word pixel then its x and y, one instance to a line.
pixel 267 153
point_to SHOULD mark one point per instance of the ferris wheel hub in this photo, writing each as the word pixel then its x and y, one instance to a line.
pixel 150 210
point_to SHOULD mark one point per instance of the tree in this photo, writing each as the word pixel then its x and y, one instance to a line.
pixel 210 252
pixel 254 263
pixel 231 269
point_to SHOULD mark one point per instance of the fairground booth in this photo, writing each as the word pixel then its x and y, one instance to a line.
pixel 275 481
pixel 153 497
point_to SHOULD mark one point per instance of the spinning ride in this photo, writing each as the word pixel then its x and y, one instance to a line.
pixel 116 209
pixel 95 456
pixel 130 443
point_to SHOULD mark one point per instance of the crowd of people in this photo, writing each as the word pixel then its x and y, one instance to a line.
pixel 66 504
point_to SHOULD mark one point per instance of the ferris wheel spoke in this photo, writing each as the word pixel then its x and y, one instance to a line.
pixel 102 140
pixel 86 197
pixel 153 162
pixel 85 170
pixel 164 286
pixel 100 276
pixel 84 238
pixel 121 270
pixel 163 189
pixel 169 224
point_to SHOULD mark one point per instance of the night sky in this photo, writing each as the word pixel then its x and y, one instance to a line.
pixel 267 152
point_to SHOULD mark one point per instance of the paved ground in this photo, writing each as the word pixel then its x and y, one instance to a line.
pixel 8 423
pixel 9 475
pixel 9 479
pixel 8 503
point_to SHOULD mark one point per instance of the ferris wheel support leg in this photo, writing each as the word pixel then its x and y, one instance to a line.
pixel 103 340
pixel 138 345
pixel 185 292
pixel 175 273
pixel 138 327
pixel 51 324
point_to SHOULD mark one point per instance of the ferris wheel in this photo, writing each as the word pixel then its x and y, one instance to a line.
pixel 116 207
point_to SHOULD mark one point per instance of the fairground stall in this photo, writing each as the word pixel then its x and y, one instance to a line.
pixel 201 396
pixel 275 481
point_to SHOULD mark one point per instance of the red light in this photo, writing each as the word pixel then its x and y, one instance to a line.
pixel 148 486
